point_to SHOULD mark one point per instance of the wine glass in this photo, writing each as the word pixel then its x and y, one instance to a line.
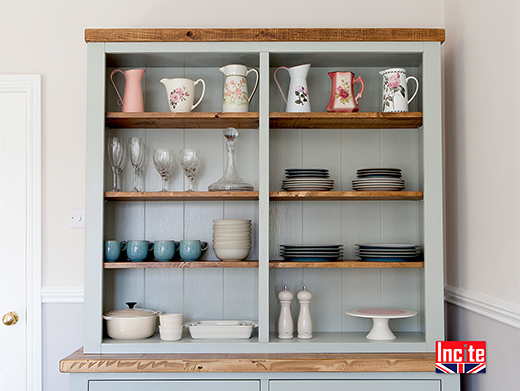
pixel 116 157
pixel 190 163
pixel 137 150
pixel 164 161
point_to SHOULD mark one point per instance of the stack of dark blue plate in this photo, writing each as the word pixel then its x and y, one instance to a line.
pixel 307 179
pixel 388 252
pixel 378 179
pixel 311 252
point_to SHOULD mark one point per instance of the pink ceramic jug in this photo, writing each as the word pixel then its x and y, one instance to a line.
pixel 132 100
pixel 342 96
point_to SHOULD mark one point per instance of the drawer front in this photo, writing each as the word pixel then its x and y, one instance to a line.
pixel 173 385
pixel 355 385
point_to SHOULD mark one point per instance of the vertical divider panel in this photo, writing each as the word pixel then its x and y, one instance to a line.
pixel 263 202
pixel 433 195
pixel 94 199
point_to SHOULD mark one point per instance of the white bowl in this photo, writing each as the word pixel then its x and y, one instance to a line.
pixel 170 320
pixel 230 242
pixel 232 235
pixel 227 222
pixel 170 333
pixel 231 254
pixel 232 229
pixel 232 245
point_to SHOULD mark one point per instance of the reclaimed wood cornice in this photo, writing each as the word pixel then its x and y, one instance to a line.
pixel 266 35
pixel 78 362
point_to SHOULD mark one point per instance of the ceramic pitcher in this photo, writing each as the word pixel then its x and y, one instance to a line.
pixel 180 93
pixel 395 90
pixel 297 100
pixel 342 97
pixel 132 100
pixel 235 98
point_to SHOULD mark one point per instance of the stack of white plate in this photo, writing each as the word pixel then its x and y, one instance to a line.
pixel 311 252
pixel 378 179
pixel 231 239
pixel 388 252
pixel 307 179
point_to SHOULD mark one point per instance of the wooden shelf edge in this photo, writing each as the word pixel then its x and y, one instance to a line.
pixel 267 35
pixel 78 362
pixel 277 120
pixel 254 264
pixel 181 196
pixel 346 195
pixel 179 265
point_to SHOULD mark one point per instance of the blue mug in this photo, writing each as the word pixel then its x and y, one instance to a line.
pixel 191 250
pixel 137 250
pixel 113 249
pixel 164 250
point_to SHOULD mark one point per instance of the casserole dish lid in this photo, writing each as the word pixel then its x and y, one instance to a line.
pixel 131 312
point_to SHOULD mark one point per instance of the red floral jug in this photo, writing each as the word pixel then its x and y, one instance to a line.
pixel 342 97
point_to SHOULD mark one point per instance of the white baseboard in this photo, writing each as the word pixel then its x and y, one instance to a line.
pixel 62 294
pixel 497 309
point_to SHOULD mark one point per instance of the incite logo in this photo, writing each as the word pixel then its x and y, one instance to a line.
pixel 460 357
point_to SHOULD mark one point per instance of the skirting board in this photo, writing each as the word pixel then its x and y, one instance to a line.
pixel 497 309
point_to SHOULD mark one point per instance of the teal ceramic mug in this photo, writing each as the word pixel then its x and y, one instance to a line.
pixel 113 249
pixel 137 250
pixel 191 250
pixel 164 250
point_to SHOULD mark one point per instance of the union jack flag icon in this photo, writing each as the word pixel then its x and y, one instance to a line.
pixel 460 368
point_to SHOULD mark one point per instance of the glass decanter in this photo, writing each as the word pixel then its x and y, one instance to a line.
pixel 230 181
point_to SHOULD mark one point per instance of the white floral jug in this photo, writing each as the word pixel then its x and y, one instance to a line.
pixel 297 100
pixel 235 98
pixel 395 90
pixel 180 93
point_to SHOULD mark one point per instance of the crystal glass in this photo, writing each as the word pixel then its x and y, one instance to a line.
pixel 190 163
pixel 117 158
pixel 230 181
pixel 164 161
pixel 137 150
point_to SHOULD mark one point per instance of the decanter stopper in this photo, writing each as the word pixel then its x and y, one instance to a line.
pixel 304 319
pixel 285 323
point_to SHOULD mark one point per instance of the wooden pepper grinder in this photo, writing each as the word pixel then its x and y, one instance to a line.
pixel 304 319
pixel 285 323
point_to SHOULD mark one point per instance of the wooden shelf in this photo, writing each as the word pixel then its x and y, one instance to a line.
pixel 359 120
pixel 191 120
pixel 277 120
pixel 273 196
pixel 181 196
pixel 254 264
pixel 179 265
pixel 266 35
pixel 345 195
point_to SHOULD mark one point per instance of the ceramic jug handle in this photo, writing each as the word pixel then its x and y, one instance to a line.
pixel 278 84
pixel 256 82
pixel 416 86
pixel 120 101
pixel 203 92
pixel 360 93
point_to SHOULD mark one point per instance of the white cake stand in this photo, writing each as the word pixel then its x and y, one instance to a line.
pixel 381 330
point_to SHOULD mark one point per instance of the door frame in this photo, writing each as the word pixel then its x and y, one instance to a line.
pixel 31 86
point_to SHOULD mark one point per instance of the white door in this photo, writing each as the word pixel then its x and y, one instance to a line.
pixel 16 240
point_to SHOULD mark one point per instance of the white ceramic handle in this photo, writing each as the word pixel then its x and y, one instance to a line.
pixel 278 84
pixel 256 83
pixel 416 87
pixel 203 92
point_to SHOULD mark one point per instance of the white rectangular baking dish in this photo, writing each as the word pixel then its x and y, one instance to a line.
pixel 221 329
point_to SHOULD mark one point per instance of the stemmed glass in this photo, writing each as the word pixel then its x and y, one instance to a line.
pixel 190 163
pixel 164 161
pixel 117 158
pixel 137 157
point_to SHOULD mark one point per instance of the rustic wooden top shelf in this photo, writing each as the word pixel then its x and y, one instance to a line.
pixel 254 264
pixel 273 196
pixel 267 35
pixel 277 120
pixel 78 362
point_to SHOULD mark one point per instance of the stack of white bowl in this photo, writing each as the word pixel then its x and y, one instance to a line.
pixel 231 239
pixel 170 327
